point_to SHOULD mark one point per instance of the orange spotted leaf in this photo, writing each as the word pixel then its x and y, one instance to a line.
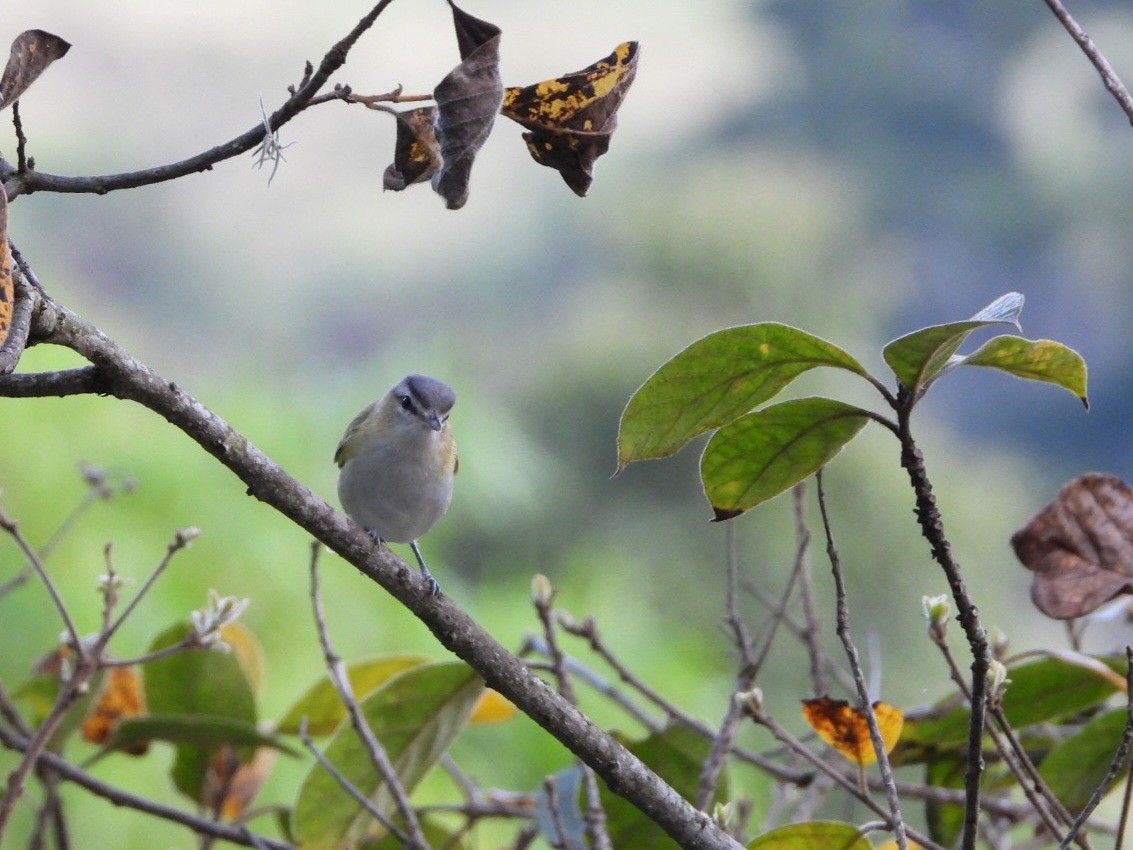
pixel 846 729
pixel 572 118
pixel 416 155
pixel 121 696
pixel 32 52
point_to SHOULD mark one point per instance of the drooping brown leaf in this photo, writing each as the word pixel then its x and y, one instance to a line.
pixel 32 52
pixel 1080 547
pixel 121 696
pixel 7 289
pixel 468 99
pixel 416 156
pixel 572 118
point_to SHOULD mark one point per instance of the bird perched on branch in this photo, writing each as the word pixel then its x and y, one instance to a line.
pixel 397 460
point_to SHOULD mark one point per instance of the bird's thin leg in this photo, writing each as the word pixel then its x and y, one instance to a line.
pixel 434 587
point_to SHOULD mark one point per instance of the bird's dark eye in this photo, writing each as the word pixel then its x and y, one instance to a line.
pixel 406 403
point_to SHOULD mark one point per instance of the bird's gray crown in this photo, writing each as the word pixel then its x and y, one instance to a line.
pixel 428 393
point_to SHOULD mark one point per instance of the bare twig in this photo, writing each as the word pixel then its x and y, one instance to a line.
pixel 415 839
pixel 11 527
pixel 349 787
pixel 181 540
pixel 842 628
pixel 542 597
pixel 25 181
pixel 812 631
pixel 1110 80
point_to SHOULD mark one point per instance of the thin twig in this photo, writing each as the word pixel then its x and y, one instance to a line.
pixel 1115 767
pixel 745 677
pixel 21 139
pixel 181 540
pixel 842 628
pixel 377 753
pixel 812 631
pixel 1110 80
pixel 595 816
pixel 8 525
pixel 26 181
pixel 349 787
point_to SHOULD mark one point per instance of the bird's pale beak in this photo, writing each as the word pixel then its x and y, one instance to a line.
pixel 435 423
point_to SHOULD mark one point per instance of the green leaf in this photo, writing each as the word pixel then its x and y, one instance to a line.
pixel 199 730
pixel 415 715
pixel 1039 360
pixel 945 820
pixel 197 682
pixel 321 704
pixel 816 835
pixel 715 380
pixel 920 357
pixel 676 755
pixel 766 452
pixel 1040 692
pixel 1074 768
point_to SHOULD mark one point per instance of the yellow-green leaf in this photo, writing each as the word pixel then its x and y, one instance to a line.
pixel 1035 360
pixel 767 452
pixel 816 835
pixel 714 381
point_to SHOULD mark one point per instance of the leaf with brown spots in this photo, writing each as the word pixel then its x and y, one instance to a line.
pixel 1080 547
pixel 32 52
pixel 416 156
pixel 572 118
pixel 468 99
pixel 846 729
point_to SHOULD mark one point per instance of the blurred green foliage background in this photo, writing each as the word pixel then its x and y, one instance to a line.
pixel 853 169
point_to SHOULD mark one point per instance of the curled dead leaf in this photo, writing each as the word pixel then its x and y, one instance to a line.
pixel 845 728
pixel 468 99
pixel 572 118
pixel 7 288
pixel 416 156
pixel 32 52
pixel 1080 547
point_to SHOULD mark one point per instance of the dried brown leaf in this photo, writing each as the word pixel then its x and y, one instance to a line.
pixel 32 52
pixel 121 696
pixel 416 156
pixel 572 118
pixel 1080 547
pixel 468 99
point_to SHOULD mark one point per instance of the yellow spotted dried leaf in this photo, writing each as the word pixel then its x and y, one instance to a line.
pixel 121 696
pixel 846 729
pixel 416 155
pixel 570 119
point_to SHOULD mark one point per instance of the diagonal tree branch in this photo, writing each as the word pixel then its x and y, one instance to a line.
pixel 119 374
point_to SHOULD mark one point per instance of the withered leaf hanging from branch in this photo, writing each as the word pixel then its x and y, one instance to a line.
pixel 1080 547
pixel 572 118
pixel 416 157
pixel 7 289
pixel 468 99
pixel 32 52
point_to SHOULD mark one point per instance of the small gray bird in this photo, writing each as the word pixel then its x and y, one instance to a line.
pixel 397 461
